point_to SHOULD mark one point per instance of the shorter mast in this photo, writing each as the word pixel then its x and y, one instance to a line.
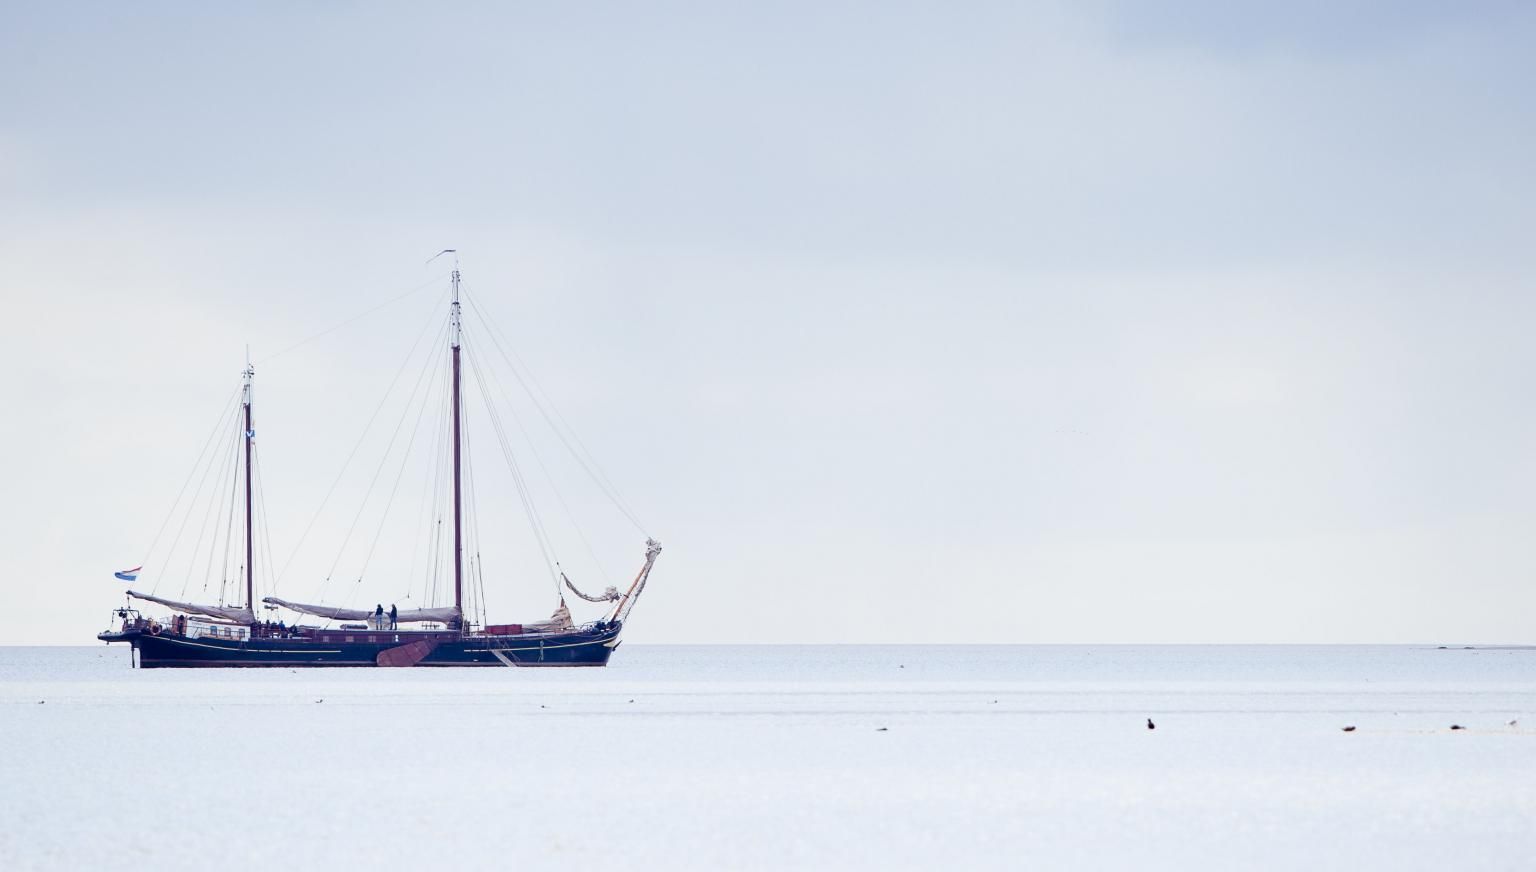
pixel 250 438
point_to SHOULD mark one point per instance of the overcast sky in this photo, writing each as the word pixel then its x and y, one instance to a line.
pixel 895 322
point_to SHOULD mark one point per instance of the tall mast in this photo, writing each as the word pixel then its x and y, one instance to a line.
pixel 458 501
pixel 250 438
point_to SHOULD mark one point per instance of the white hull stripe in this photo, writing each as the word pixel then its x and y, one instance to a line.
pixel 253 650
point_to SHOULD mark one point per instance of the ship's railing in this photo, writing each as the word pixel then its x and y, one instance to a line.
pixel 196 629
pixel 125 619
pixel 589 627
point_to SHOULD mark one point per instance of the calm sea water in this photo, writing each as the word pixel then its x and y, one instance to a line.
pixel 833 757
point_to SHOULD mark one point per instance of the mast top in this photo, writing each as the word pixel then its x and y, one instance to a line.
pixel 458 323
pixel 247 375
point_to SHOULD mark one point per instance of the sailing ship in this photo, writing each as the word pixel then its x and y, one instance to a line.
pixel 226 634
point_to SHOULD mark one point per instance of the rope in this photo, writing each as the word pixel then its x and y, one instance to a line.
pixel 610 595
pixel 373 482
pixel 266 532
pixel 229 527
pixel 548 477
pixel 303 537
pixel 404 461
pixel 192 473
pixel 229 535
pixel 428 502
pixel 391 301
pixel 534 522
pixel 191 503
pixel 588 463
pixel 472 531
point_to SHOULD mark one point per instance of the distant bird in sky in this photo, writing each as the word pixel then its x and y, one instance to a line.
pixel 1150 725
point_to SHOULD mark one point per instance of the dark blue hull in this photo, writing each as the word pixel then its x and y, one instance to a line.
pixel 582 647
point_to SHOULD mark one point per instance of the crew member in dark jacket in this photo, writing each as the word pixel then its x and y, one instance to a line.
pixel 394 617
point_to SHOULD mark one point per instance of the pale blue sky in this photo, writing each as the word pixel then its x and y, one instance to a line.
pixel 897 322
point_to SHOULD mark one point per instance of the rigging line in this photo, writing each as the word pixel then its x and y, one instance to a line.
pixel 232 470
pixel 258 532
pixel 471 538
pixel 548 476
pixel 480 577
pixel 589 462
pixel 437 501
pixel 229 531
pixel 440 500
pixel 355 446
pixel 404 462
pixel 234 486
pixel 523 492
pixel 266 530
pixel 391 301
pixel 421 528
pixel 471 514
pixel 218 509
pixel 535 391
pixel 373 482
pixel 477 579
pixel 191 508
pixel 229 405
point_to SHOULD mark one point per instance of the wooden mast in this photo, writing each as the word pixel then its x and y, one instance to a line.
pixel 250 438
pixel 458 500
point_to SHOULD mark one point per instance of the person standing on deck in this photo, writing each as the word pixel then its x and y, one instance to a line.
pixel 394 617
pixel 378 616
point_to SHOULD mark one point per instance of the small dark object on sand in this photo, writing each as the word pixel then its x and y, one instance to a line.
pixel 1513 722
pixel 42 702
pixel 882 729
pixel 318 701
pixel 1150 725
pixel 631 700
pixel 1457 727
pixel 1350 728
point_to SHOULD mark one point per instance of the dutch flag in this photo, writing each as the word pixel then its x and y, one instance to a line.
pixel 128 574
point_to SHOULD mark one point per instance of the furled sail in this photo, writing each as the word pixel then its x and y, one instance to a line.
pixel 560 620
pixel 444 615
pixel 608 596
pixel 241 614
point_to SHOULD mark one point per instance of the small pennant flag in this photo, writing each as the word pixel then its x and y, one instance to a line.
pixel 128 574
